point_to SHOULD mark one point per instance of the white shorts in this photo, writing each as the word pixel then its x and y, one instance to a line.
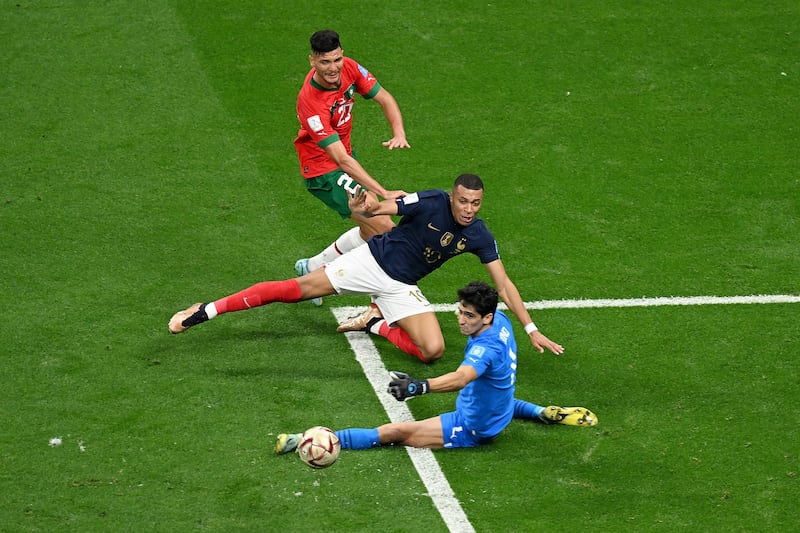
pixel 357 272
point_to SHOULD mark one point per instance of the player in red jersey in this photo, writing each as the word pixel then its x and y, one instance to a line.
pixel 332 174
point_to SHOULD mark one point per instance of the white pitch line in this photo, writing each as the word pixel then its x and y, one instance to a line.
pixel 662 301
pixel 626 302
pixel 428 468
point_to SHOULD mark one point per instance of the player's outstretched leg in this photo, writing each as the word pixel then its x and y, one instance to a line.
pixel 569 416
pixel 301 267
pixel 263 293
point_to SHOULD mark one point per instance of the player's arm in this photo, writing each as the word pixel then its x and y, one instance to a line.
pixel 338 154
pixel 510 295
pixel 402 386
pixel 453 381
pixel 395 119
pixel 366 204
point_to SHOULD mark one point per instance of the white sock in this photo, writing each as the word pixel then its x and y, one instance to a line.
pixel 349 240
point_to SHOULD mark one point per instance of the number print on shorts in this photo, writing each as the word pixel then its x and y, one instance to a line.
pixel 418 296
pixel 348 184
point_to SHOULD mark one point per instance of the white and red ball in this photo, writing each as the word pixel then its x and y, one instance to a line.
pixel 319 447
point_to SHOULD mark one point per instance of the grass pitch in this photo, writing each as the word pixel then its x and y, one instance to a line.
pixel 628 149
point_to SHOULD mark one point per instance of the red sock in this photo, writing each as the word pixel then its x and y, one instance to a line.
pixel 263 293
pixel 400 338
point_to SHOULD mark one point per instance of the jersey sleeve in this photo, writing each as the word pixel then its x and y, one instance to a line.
pixel 478 356
pixel 488 252
pixel 366 84
pixel 410 204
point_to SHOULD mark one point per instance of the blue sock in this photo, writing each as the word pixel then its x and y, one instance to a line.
pixel 358 439
pixel 528 410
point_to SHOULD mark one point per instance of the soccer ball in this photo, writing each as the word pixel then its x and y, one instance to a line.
pixel 319 447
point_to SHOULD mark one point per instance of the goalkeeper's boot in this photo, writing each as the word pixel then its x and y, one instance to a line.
pixel 363 321
pixel 301 267
pixel 287 442
pixel 180 321
pixel 569 416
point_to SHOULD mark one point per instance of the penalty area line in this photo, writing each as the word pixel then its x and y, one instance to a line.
pixel 665 301
pixel 622 302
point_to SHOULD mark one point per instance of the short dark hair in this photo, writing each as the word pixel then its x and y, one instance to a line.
pixel 324 41
pixel 469 181
pixel 480 295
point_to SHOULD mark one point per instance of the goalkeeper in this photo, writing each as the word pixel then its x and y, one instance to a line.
pixel 485 379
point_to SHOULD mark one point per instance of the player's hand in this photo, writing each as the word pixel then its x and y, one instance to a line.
pixel 394 195
pixel 402 386
pixel 362 201
pixel 396 142
pixel 540 342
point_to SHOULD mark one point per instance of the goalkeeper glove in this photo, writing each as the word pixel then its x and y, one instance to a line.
pixel 404 386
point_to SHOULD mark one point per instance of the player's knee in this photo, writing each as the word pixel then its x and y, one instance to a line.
pixel 432 351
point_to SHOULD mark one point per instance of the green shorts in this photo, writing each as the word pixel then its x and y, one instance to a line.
pixel 334 189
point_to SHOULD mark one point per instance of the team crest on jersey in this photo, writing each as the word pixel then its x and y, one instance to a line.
pixel 446 239
pixel 348 94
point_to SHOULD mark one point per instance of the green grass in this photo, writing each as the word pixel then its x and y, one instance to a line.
pixel 629 149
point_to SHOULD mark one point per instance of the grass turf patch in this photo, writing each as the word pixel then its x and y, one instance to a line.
pixel 628 150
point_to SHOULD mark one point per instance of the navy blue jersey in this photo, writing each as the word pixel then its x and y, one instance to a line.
pixel 427 236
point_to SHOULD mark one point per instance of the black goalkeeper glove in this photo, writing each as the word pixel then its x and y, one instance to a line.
pixel 404 386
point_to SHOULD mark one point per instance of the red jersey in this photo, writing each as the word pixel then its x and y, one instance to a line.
pixel 325 116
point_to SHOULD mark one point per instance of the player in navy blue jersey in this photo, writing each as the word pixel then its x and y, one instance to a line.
pixel 486 380
pixel 434 228
pixel 428 236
